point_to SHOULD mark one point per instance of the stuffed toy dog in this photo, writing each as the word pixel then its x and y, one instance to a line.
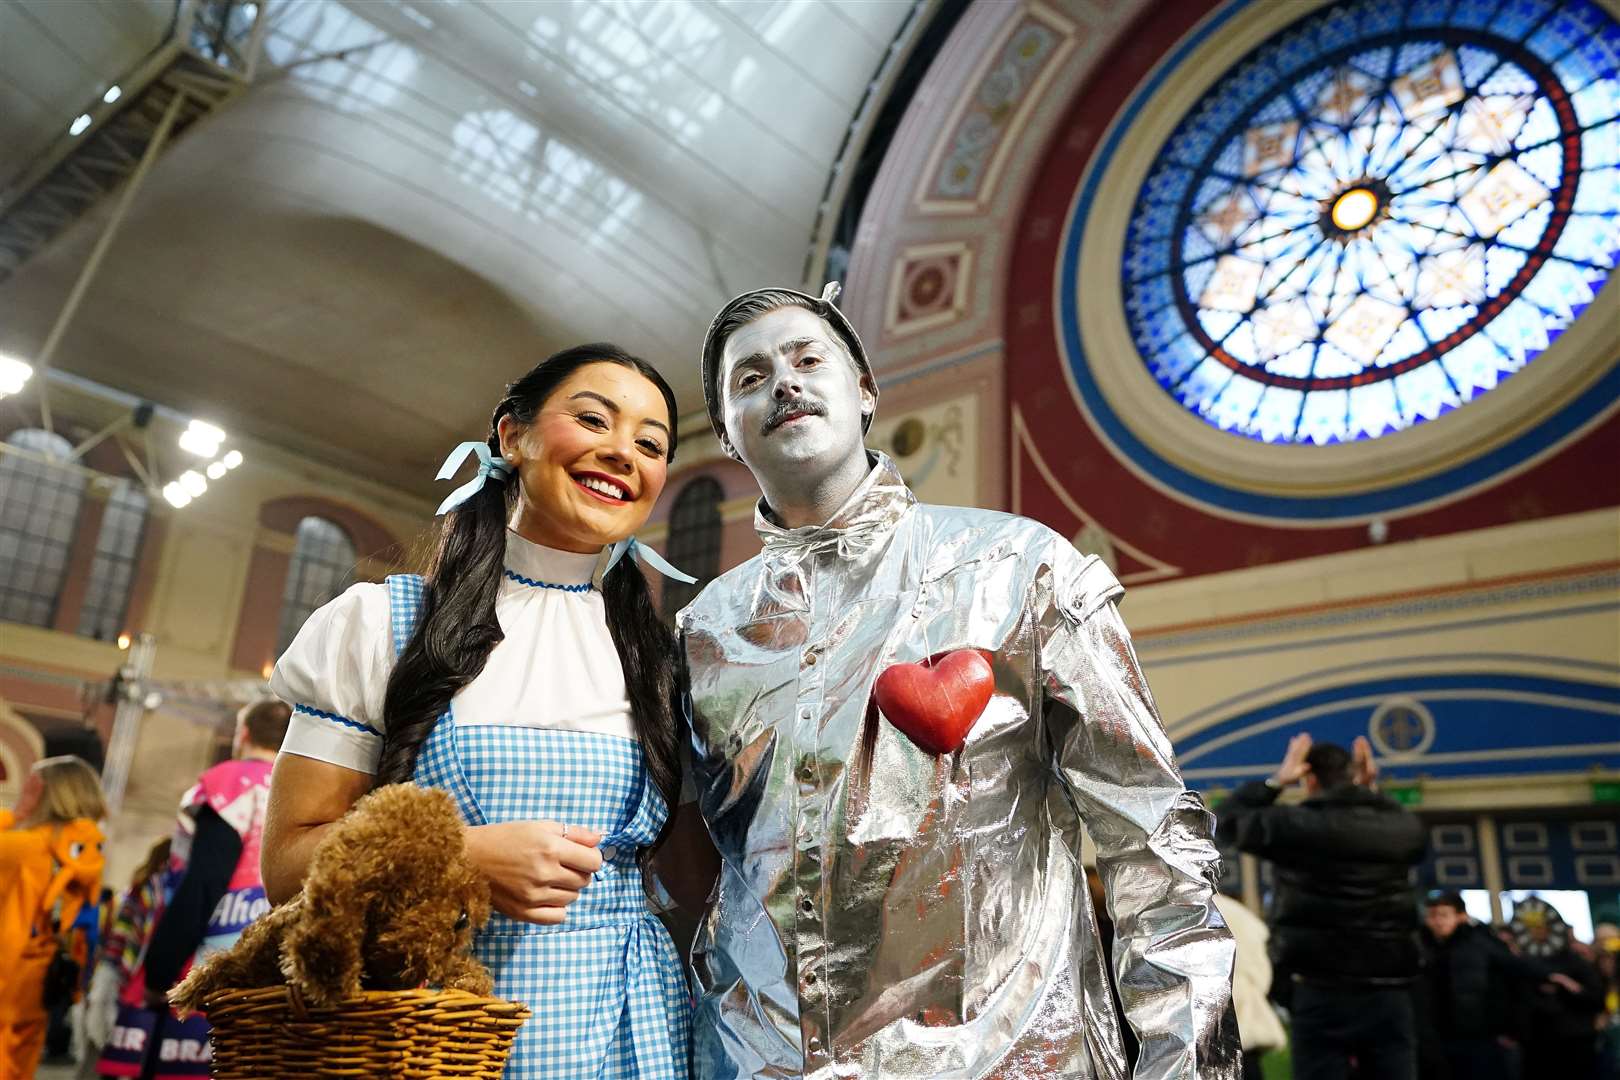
pixel 390 902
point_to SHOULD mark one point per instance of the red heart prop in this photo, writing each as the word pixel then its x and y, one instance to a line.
pixel 935 703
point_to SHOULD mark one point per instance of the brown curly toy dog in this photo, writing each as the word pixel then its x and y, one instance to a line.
pixel 390 902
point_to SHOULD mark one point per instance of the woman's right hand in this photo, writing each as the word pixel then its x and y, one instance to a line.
pixel 534 870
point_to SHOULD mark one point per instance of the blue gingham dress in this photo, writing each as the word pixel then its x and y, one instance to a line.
pixel 606 988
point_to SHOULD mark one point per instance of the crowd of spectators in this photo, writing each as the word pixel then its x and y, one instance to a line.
pixel 1350 970
pixel 84 972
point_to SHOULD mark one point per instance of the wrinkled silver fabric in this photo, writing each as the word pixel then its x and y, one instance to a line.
pixel 882 912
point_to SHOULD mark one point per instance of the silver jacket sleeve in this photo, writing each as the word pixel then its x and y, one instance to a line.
pixel 1173 954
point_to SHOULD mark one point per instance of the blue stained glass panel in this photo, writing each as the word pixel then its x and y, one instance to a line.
pixel 1369 221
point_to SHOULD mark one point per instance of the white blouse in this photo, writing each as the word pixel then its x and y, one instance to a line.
pixel 556 667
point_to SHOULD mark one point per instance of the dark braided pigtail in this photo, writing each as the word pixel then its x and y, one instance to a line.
pixel 456 631
pixel 647 653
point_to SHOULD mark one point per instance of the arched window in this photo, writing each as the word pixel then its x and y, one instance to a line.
pixel 322 566
pixel 694 540
pixel 40 497
pixel 112 573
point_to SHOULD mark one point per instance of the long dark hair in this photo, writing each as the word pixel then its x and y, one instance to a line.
pixel 458 628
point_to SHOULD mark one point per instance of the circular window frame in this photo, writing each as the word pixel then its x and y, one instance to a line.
pixel 1376 737
pixel 1499 434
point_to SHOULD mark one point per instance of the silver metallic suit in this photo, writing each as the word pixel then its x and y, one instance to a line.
pixel 882 912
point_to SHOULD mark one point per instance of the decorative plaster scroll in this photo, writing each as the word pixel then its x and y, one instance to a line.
pixel 967 162
pixel 934 448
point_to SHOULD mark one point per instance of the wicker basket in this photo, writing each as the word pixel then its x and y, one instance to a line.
pixel 267 1034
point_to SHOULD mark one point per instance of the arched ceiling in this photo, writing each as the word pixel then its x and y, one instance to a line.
pixel 412 202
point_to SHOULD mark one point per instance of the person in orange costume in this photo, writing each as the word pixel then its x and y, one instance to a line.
pixel 50 866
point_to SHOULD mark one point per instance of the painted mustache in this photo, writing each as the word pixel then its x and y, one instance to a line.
pixel 802 407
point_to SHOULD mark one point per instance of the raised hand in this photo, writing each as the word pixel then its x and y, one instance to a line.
pixel 1294 767
pixel 1366 769
pixel 535 868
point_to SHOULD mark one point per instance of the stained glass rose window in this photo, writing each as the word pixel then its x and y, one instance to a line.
pixel 1379 215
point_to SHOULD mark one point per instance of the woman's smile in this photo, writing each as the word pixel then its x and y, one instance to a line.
pixel 605 488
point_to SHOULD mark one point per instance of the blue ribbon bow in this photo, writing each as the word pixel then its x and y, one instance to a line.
pixel 488 465
pixel 646 556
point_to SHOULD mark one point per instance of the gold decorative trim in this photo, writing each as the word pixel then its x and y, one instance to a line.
pixel 1007 135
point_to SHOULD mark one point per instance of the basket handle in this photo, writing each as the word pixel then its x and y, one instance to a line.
pixel 295 1001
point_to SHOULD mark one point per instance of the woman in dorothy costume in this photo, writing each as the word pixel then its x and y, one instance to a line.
pixel 528 675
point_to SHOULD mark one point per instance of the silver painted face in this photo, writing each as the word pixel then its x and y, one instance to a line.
pixel 792 399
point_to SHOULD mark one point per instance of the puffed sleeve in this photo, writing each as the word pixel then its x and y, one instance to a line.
pixel 1173 954
pixel 334 675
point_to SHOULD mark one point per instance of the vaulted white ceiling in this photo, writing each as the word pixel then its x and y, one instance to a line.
pixel 414 202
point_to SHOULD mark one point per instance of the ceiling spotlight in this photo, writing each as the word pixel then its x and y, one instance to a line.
pixel 78 126
pixel 123 641
pixel 201 439
pixel 232 459
pixel 193 482
pixel 216 469
pixel 13 374
pixel 175 494
pixel 113 94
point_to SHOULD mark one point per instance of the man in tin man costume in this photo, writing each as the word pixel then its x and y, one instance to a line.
pixel 901 714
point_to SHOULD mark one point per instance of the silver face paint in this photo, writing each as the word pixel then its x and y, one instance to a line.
pixel 787 363
pixel 883 912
